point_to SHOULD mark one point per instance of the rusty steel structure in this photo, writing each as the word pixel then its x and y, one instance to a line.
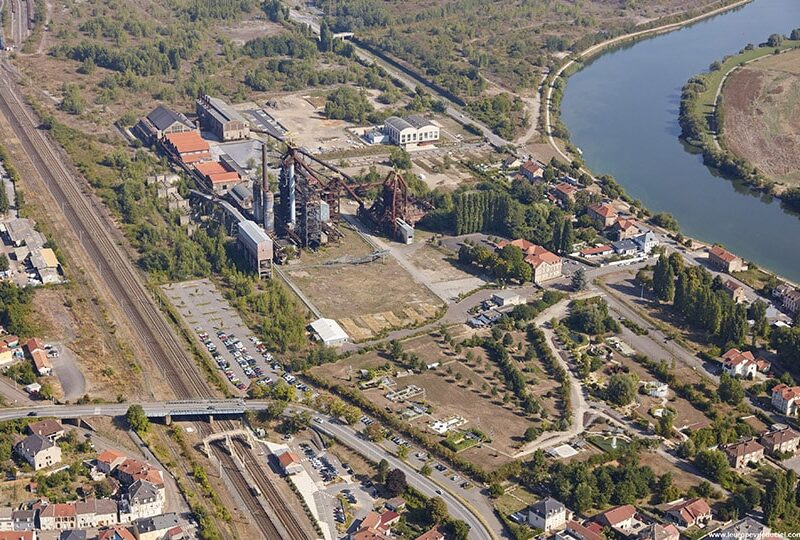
pixel 311 190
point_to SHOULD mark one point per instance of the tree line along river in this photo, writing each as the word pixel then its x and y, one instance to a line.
pixel 622 112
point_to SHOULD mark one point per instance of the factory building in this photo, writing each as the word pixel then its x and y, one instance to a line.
pixel 159 122
pixel 263 199
pixel 221 119
pixel 188 147
pixel 257 247
pixel 329 332
pixel 411 131
pixel 219 176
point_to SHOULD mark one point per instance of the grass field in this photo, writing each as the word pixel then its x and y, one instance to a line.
pixel 761 106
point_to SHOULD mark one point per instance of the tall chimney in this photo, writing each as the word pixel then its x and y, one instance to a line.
pixel 268 199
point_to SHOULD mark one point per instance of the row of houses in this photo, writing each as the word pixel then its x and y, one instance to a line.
pixel 378 525
pixel 743 364
pixel 551 515
pixel 788 296
pixel 161 527
pixel 30 251
pixel 776 442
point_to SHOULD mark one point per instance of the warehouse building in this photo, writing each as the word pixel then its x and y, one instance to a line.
pixel 411 131
pixel 329 332
pixel 218 176
pixel 221 119
pixel 159 122
pixel 187 147
pixel 257 247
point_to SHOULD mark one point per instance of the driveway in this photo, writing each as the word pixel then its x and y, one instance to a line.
pixel 69 374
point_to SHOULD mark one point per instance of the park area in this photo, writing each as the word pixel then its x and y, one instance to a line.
pixel 761 106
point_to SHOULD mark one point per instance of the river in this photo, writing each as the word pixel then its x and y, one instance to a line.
pixel 622 112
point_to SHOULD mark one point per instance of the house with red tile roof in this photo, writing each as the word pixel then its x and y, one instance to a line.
pixel 433 534
pixel 116 533
pixel 624 228
pixel 690 512
pixel 57 516
pixel 564 193
pixel 735 291
pixel 623 519
pixel 546 265
pixel 724 260
pixel 785 398
pixel 603 215
pixel 108 460
pixel 49 429
pixel 576 531
pixel 41 363
pixel 597 251
pixel 376 526
pixel 531 170
pixel 657 531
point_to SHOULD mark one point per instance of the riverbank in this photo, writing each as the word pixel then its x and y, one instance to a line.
pixel 556 81
pixel 701 117
pixel 622 111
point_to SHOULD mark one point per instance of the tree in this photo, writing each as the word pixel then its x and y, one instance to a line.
pixel 530 434
pixel 774 40
pixel 402 451
pixel 712 463
pixel 458 530
pixel 3 262
pixel 730 389
pixel 567 237
pixel 621 388
pixel 383 470
pixel 664 280
pixel 137 419
pixel 325 37
pixel 426 470
pixel 395 482
pixel 716 65
pixel 437 510
pixel 399 158
pixel 374 432
pixel 758 314
pixel 579 280
pixel 496 490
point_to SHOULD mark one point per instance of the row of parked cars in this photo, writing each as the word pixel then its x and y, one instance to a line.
pixel 322 464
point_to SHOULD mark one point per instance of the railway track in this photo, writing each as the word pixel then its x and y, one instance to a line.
pixel 287 518
pixel 122 279
pixel 257 513
pixel 91 224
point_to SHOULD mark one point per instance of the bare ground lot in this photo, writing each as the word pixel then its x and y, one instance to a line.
pixel 308 127
pixel 761 105
pixel 366 299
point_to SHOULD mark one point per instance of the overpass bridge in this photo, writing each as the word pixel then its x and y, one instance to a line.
pixel 164 410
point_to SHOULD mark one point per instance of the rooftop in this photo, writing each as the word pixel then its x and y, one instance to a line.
pixel 190 141
pixel 328 330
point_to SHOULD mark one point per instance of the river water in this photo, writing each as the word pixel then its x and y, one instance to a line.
pixel 622 112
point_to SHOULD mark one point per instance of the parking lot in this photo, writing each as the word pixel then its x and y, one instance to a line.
pixel 238 353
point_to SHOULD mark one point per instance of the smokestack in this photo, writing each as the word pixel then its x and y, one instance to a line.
pixel 290 189
pixel 268 199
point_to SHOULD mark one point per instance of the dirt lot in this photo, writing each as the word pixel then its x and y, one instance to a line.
pixel 307 125
pixel 761 105
pixel 370 297
pixel 244 31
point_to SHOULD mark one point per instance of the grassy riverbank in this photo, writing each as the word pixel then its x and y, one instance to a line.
pixel 701 116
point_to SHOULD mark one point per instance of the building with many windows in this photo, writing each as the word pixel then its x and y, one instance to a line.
pixel 411 131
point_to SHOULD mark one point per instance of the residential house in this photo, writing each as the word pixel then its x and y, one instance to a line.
pixel 511 162
pixel 735 291
pixel 739 364
pixel 108 460
pixel 564 193
pixel 547 515
pixel 144 500
pixel 49 429
pixel 39 451
pixel 784 441
pixel 623 229
pixel 646 241
pixel 6 354
pixel 603 215
pixel 72 534
pixel 576 531
pixel 95 513
pixel 625 248
pixel 289 463
pixel 375 526
pixel 189 147
pixel 221 119
pixel 657 531
pixel 788 296
pixel 219 176
pixel 31 345
pixel 156 527
pixel 785 397
pixel 6 519
pixel 744 528
pixel 24 520
pixel 742 453
pixel 622 519
pixel 57 517
pixel 131 470
pixel 159 122
pixel 546 265
pixel 531 170
pixel 116 533
pixel 41 363
pixel 690 512
pixel 724 260
pixel 433 534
